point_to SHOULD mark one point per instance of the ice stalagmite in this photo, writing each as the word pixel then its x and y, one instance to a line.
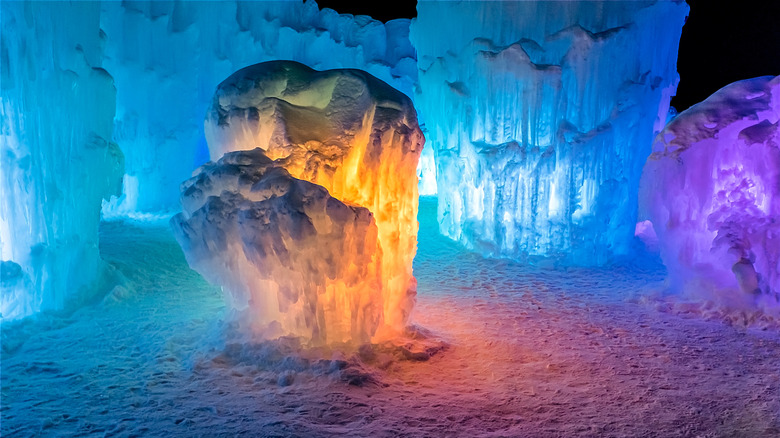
pixel 355 139
pixel 56 157
pixel 541 115
pixel 711 188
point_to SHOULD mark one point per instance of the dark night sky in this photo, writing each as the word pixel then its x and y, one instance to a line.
pixel 719 44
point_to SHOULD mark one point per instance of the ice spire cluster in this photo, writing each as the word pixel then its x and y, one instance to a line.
pixel 711 188
pixel 321 216
pixel 57 160
pixel 541 116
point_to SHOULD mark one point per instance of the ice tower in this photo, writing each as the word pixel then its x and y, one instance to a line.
pixel 57 160
pixel 541 116
pixel 167 57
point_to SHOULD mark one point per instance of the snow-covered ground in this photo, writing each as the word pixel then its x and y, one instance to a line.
pixel 519 351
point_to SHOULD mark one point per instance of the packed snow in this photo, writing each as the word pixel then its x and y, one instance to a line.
pixel 529 352
pixel 710 191
pixel 540 116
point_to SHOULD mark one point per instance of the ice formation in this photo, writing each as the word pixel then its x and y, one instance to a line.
pixel 168 57
pixel 56 158
pixel 346 134
pixel 541 116
pixel 293 259
pixel 711 189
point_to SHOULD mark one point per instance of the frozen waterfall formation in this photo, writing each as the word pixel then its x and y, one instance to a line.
pixel 541 116
pixel 57 160
pixel 712 190
pixel 309 218
pixel 160 52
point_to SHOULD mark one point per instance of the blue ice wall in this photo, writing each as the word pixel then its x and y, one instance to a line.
pixel 56 158
pixel 540 116
pixel 167 58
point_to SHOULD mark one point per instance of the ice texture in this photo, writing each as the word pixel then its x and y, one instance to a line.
pixel 56 158
pixel 293 259
pixel 354 138
pixel 540 116
pixel 711 189
pixel 168 57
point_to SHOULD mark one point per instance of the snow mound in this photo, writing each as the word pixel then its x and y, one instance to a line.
pixel 711 188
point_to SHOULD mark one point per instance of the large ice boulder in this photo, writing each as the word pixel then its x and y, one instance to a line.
pixel 57 161
pixel 711 188
pixel 541 115
pixel 357 139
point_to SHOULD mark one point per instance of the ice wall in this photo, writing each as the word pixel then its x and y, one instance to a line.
pixel 711 188
pixel 540 116
pixel 168 57
pixel 351 135
pixel 56 158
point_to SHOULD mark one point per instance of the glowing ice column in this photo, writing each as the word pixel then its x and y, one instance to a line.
pixel 56 113
pixel 349 133
pixel 541 115
pixel 712 191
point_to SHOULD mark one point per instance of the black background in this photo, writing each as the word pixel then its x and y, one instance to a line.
pixel 723 40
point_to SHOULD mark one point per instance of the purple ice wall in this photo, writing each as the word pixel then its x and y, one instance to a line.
pixel 712 190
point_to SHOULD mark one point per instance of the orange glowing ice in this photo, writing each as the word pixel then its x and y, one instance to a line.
pixel 348 132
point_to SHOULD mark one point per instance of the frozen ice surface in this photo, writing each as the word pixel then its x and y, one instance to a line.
pixel 711 189
pixel 355 138
pixel 57 160
pixel 540 116
pixel 168 57
pixel 293 259
pixel 534 353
